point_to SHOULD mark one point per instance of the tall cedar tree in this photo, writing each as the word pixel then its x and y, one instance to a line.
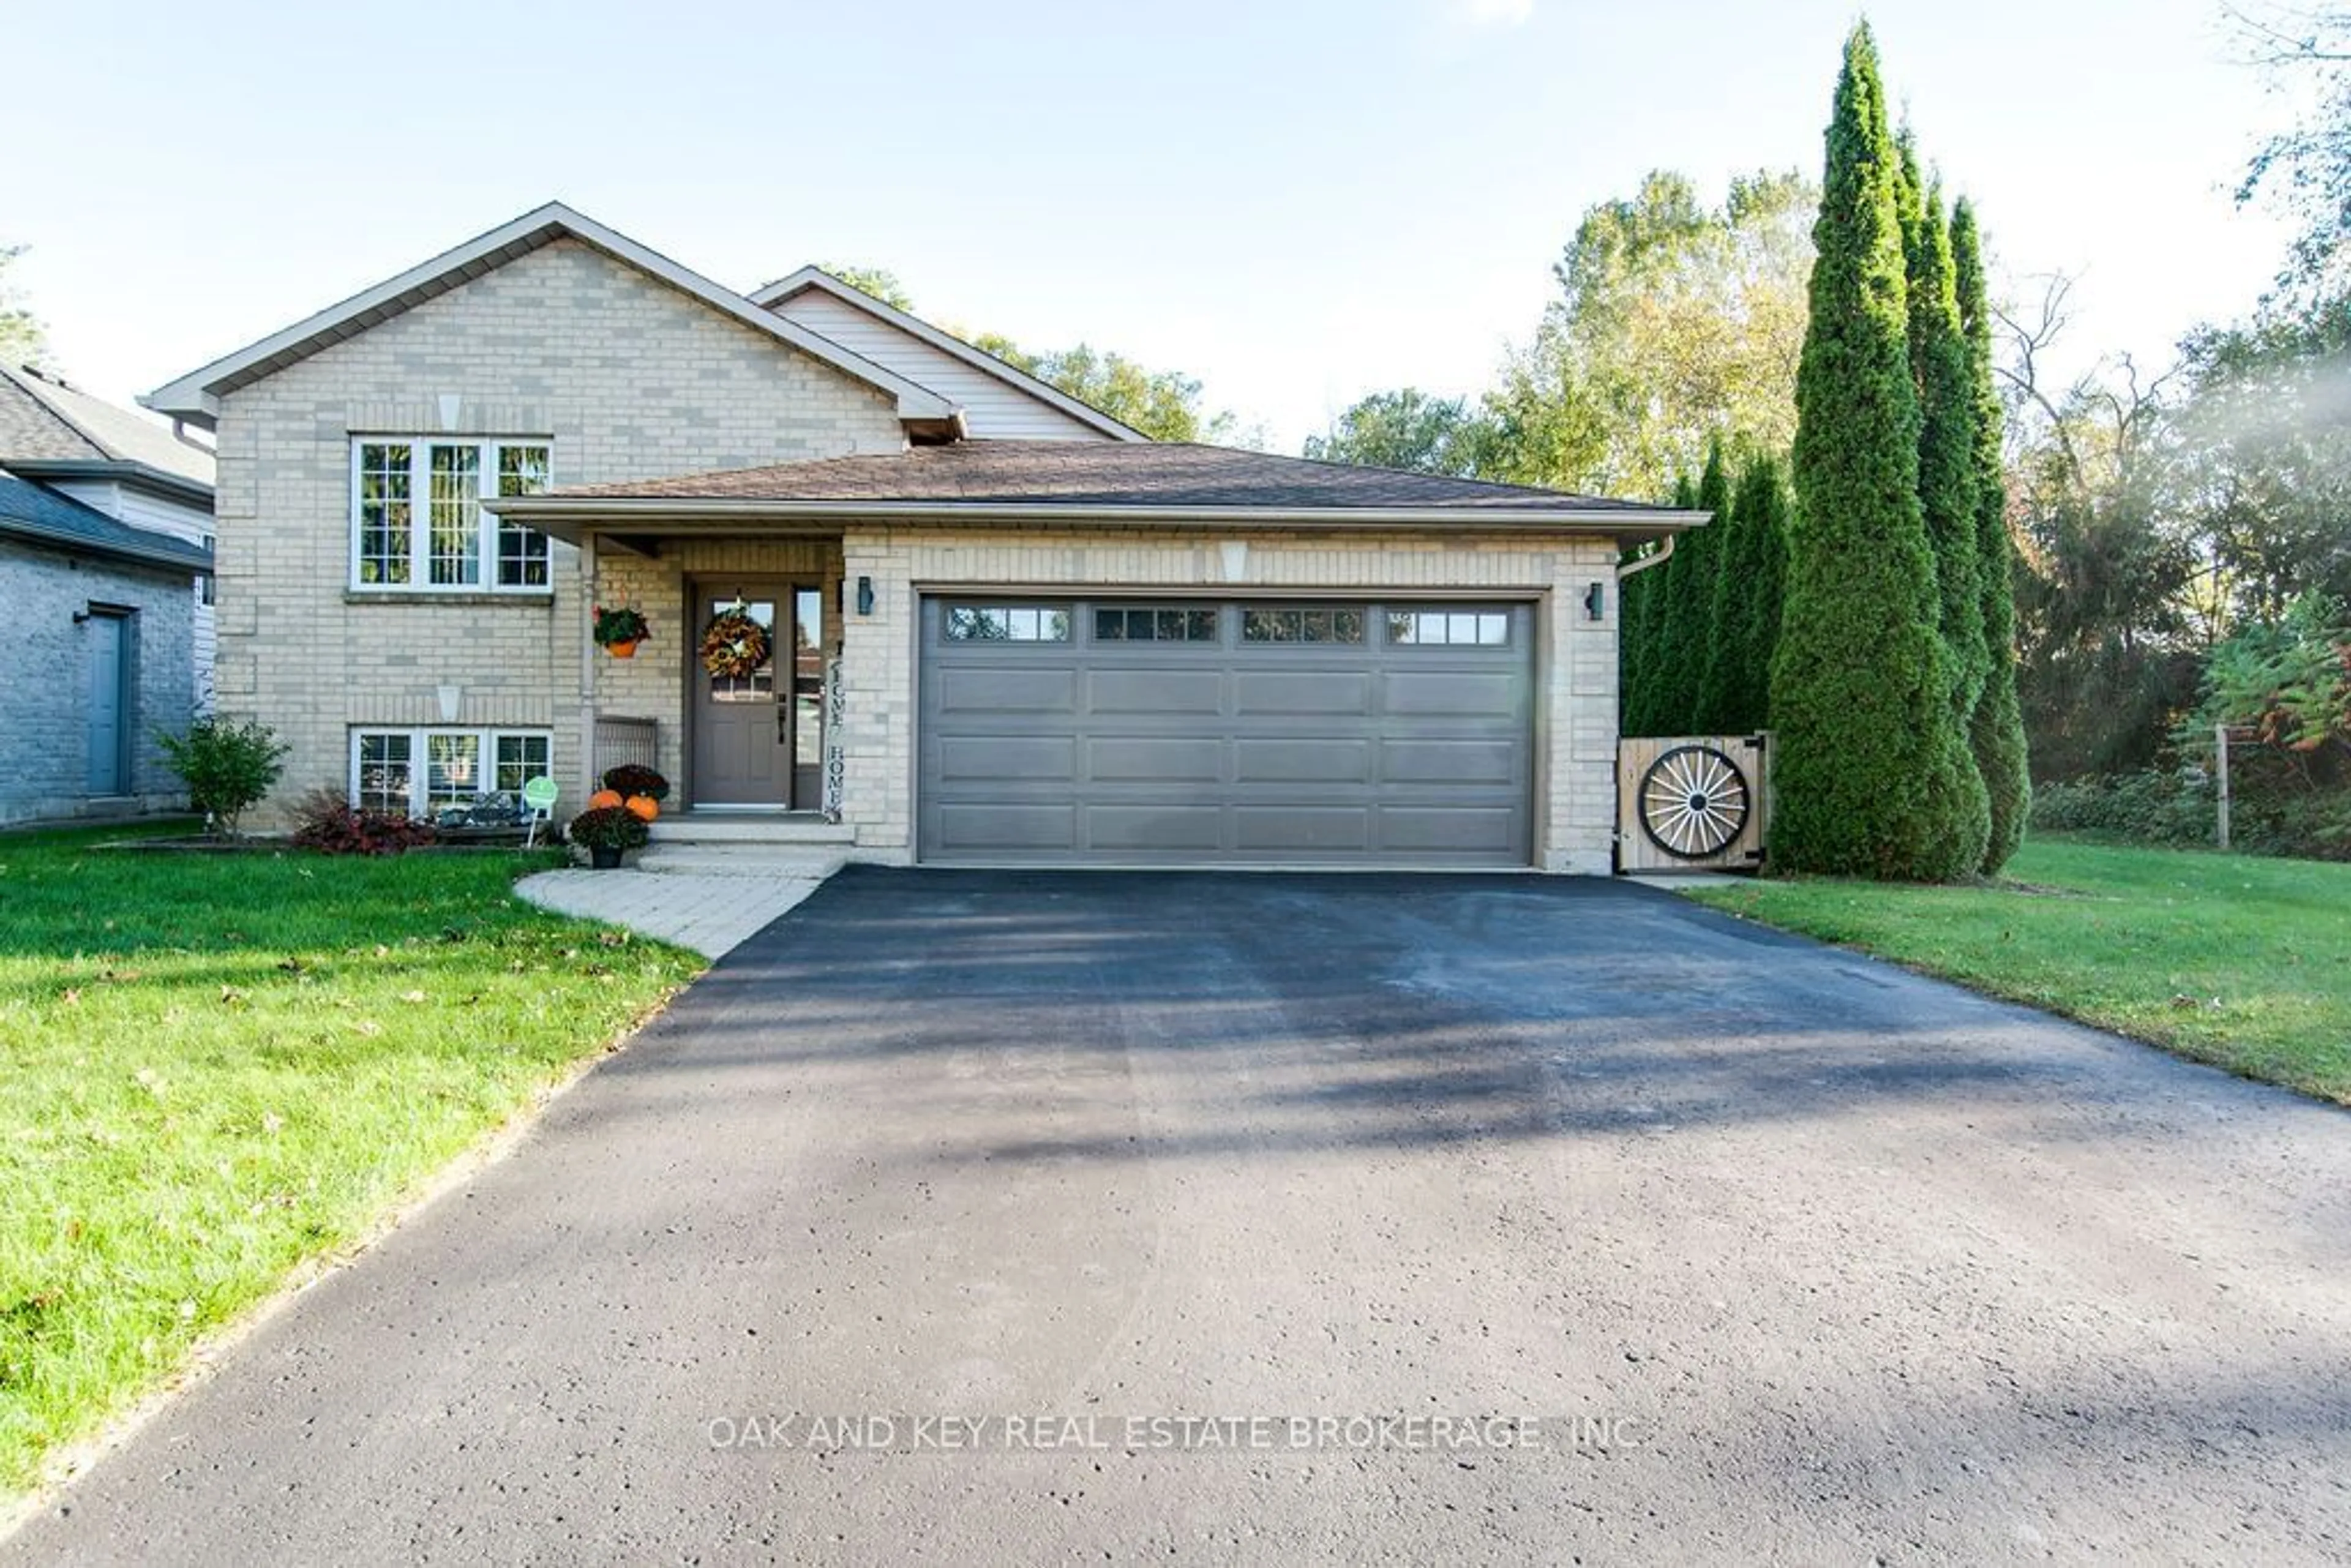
pixel 1867 782
pixel 1687 629
pixel 1996 734
pixel 1737 697
pixel 1948 482
pixel 1632 647
pixel 1645 706
pixel 1948 478
pixel 1710 705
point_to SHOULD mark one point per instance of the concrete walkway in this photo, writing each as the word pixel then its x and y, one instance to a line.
pixel 711 912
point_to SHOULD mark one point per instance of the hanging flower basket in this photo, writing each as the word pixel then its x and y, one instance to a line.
pixel 620 628
pixel 734 644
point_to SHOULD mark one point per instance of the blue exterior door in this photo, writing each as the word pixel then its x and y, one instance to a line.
pixel 107 656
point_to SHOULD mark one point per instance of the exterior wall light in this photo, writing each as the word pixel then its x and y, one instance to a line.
pixel 865 596
pixel 1596 601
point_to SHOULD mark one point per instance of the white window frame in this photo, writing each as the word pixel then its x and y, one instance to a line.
pixel 420 739
pixel 420 514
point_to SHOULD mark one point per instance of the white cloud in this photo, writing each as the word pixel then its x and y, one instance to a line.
pixel 1494 13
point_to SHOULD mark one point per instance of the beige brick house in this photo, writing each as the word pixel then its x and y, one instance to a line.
pixel 1001 627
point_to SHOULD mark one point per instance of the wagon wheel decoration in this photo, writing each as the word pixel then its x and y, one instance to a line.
pixel 1693 802
pixel 734 644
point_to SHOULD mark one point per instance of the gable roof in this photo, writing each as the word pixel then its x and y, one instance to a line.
pixel 778 295
pixel 196 396
pixel 1083 482
pixel 37 513
pixel 48 425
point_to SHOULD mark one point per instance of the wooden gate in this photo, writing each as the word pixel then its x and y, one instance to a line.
pixel 1692 803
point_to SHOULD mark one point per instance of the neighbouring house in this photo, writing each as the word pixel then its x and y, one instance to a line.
pixel 105 567
pixel 998 626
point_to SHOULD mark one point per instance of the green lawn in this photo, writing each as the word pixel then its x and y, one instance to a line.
pixel 213 1068
pixel 2230 959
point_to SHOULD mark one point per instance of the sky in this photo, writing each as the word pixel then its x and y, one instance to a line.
pixel 1294 202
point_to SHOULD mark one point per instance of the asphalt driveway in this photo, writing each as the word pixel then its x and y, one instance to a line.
pixel 1682 1241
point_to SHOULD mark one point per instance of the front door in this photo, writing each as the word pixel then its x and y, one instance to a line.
pixel 106 676
pixel 743 724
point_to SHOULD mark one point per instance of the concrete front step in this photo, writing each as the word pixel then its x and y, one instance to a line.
pixel 708 827
pixel 811 862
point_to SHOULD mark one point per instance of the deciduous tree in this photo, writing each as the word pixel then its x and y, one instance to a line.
pixel 22 340
pixel 1675 321
pixel 879 281
pixel 1406 428
pixel 1162 404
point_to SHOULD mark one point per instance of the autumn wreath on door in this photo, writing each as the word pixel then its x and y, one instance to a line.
pixel 734 644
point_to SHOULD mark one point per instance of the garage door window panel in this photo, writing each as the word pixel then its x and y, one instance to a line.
pixel 1137 623
pixel 1449 628
pixel 1007 623
pixel 1302 627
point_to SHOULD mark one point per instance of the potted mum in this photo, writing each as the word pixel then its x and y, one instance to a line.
pixel 608 830
pixel 635 786
pixel 620 628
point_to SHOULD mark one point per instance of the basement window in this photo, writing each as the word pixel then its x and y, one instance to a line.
pixel 457 778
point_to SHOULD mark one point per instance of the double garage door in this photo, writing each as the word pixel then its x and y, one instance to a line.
pixel 1199 732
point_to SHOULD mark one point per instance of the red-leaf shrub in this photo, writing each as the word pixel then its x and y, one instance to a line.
pixel 325 822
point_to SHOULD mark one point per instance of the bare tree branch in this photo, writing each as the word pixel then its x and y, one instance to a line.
pixel 2272 42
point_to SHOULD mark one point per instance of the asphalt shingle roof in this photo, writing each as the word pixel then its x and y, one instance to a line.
pixel 39 513
pixel 45 421
pixel 1080 473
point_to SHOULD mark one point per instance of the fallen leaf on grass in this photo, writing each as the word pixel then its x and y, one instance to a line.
pixel 412 995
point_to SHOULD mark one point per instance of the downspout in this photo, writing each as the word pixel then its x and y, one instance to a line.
pixel 1616 783
pixel 1646 561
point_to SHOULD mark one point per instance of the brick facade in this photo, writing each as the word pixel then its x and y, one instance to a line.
pixel 44 709
pixel 624 376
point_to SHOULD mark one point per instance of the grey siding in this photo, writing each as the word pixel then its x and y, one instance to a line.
pixel 44 771
pixel 994 408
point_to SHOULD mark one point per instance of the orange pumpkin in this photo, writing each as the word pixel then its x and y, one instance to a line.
pixel 643 807
pixel 603 797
